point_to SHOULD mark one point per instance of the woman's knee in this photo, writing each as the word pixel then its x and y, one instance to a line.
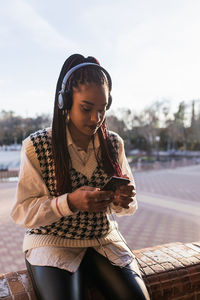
pixel 51 283
pixel 116 282
pixel 135 281
pixel 139 290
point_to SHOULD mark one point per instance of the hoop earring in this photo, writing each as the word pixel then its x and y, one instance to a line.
pixel 67 116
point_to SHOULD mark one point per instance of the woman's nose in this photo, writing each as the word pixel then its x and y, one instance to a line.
pixel 96 117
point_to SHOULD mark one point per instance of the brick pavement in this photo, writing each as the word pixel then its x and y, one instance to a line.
pixel 151 225
pixel 181 183
pixel 156 224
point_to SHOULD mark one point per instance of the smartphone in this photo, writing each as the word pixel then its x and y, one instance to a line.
pixel 114 183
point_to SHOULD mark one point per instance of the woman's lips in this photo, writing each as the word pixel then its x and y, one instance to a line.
pixel 93 127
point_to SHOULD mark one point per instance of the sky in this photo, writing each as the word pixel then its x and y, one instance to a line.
pixel 151 48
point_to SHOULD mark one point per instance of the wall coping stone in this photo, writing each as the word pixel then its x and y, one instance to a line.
pixel 170 271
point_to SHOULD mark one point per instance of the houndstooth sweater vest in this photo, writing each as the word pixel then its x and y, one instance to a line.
pixel 81 225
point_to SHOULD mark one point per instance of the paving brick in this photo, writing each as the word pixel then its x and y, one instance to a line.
pixel 21 296
pixel 147 260
pixel 159 256
pixel 15 285
pixel 187 262
pixel 193 246
pixel 10 275
pixel 185 279
pixel 25 279
pixel 195 260
pixel 184 251
pixel 4 289
pixel 141 263
pixel 157 268
pixel 148 271
pixel 168 266
pixel 32 295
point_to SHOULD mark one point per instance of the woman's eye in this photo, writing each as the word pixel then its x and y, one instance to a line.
pixel 86 109
pixel 89 109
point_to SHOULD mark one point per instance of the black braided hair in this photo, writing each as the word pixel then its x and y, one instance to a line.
pixel 61 155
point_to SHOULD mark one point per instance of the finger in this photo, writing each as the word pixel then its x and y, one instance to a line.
pixel 124 202
pixel 125 199
pixel 124 188
pixel 99 202
pixel 102 202
pixel 119 200
pixel 128 187
pixel 89 188
pixel 126 194
pixel 105 194
pixel 102 195
pixel 124 205
pixel 125 176
pixel 106 197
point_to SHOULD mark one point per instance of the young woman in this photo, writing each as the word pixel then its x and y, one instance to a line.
pixel 71 242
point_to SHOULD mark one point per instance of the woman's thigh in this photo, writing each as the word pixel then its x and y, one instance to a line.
pixel 115 282
pixel 52 283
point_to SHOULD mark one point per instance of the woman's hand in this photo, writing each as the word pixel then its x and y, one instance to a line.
pixel 124 195
pixel 89 199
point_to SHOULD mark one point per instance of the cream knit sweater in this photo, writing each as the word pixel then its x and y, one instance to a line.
pixel 35 207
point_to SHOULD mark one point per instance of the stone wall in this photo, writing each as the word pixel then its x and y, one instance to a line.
pixel 170 271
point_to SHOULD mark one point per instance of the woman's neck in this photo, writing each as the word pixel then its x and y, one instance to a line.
pixel 81 140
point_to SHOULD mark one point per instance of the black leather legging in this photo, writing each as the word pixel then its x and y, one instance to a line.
pixel 115 283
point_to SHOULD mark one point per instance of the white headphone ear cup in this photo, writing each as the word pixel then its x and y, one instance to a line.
pixel 60 100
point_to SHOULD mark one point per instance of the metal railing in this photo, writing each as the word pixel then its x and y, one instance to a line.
pixel 8 174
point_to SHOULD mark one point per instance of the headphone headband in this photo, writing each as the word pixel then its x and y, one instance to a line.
pixel 68 74
pixel 61 93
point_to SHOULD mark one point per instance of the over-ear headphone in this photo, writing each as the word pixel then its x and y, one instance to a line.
pixel 65 97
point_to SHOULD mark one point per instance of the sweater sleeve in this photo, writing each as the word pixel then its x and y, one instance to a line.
pixel 33 205
pixel 126 170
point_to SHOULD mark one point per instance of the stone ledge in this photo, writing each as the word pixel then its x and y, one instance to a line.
pixel 170 271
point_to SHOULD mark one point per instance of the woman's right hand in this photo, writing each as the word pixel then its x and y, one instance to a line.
pixel 89 199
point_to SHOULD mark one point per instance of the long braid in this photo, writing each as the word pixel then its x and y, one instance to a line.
pixel 108 153
pixel 60 151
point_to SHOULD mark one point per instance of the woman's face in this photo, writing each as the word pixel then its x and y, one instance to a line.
pixel 89 107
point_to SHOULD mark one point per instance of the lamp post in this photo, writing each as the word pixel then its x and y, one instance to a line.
pixel 157 147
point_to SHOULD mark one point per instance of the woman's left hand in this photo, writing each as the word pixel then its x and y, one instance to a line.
pixel 124 195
